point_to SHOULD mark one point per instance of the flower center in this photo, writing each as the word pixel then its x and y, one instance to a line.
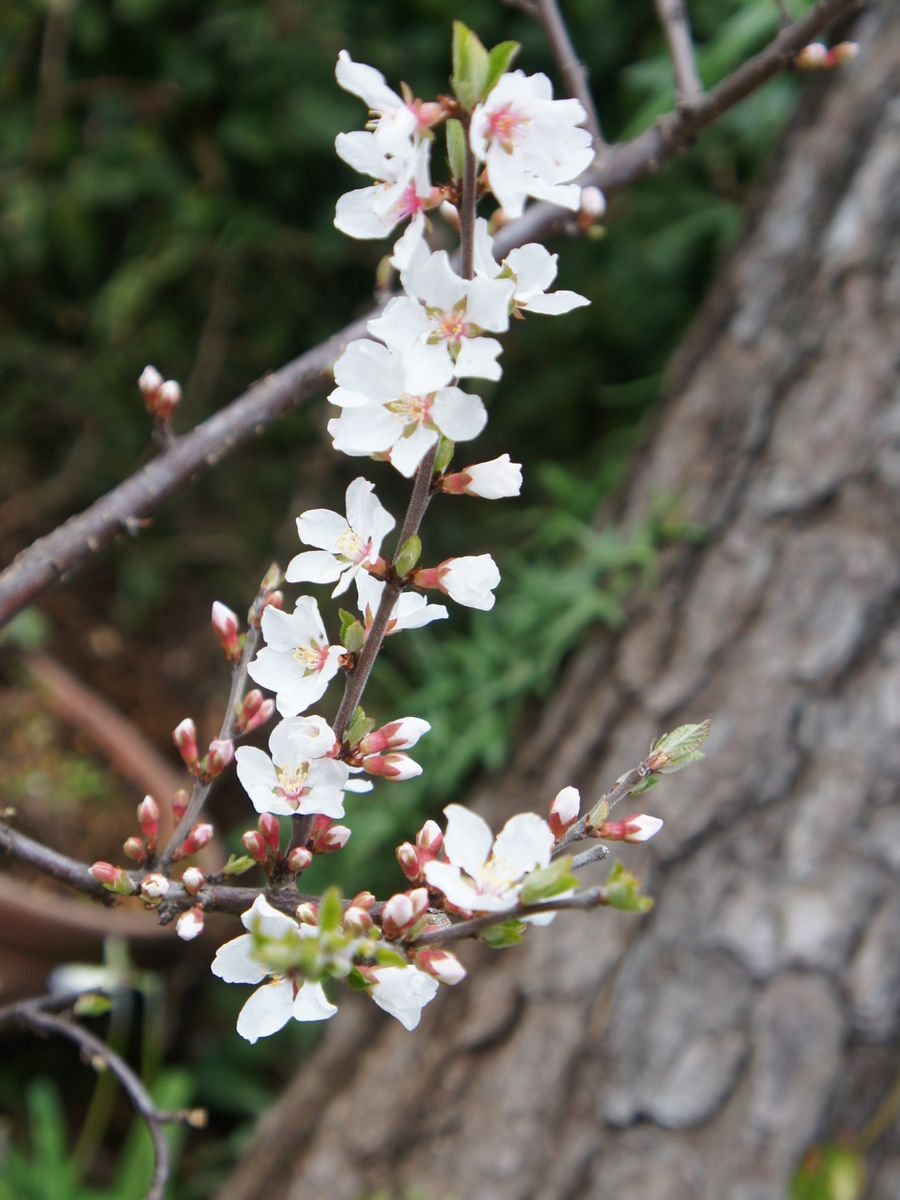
pixel 451 326
pixel 410 203
pixel 495 877
pixel 311 658
pixel 351 546
pixel 412 410
pixel 291 782
pixel 504 124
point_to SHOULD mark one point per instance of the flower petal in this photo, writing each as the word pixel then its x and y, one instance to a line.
pixel 267 1010
pixel 468 839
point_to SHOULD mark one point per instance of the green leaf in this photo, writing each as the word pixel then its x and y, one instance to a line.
pixel 352 632
pixel 456 157
pixel 507 933
pixel 499 60
pixel 470 66
pixel 446 448
pixel 237 866
pixel 389 958
pixel 359 727
pixel 644 786
pixel 829 1173
pixel 678 749
pixel 409 555
pixel 623 891
pixel 356 981
pixel 546 882
pixel 92 1004
pixel 330 910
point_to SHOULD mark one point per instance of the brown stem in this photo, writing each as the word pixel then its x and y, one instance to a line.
pixel 120 511
pixel 673 17
pixel 581 901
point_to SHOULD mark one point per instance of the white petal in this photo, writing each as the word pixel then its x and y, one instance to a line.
pixel 267 1010
pixel 402 323
pixel 408 452
pixel 468 839
pixel 405 245
pixel 300 739
pixel 459 415
pixel 413 611
pixel 534 268
pixel 485 263
pixel 556 303
pixel 428 367
pixel 371 370
pixel 462 893
pixel 360 151
pixel 313 566
pixel 355 215
pixel 525 842
pixel 266 921
pixel 235 964
pixel 312 1004
pixel 488 303
pixel 258 779
pixel 478 359
pixel 403 992
pixel 365 514
pixel 437 284
pixel 321 527
pixel 367 83
pixel 372 430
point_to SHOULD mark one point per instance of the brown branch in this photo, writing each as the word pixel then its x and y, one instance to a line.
pixel 580 902
pixel 673 17
pixel 121 510
pixel 36 1015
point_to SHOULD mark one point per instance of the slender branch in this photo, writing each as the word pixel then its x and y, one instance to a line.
pixel 573 71
pixel 122 510
pixel 596 853
pixel 626 784
pixel 36 1015
pixel 580 901
pixel 673 17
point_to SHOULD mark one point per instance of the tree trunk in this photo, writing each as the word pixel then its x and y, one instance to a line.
pixel 697 1052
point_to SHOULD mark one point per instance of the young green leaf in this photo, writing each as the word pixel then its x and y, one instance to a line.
pixel 456 157
pixel 410 553
pixel 546 882
pixel 500 59
pixel 678 749
pixel 470 66
pixel 507 933
pixel 330 910
pixel 623 891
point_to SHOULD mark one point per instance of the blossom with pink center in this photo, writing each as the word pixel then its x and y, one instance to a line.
pixel 483 874
pixel 297 778
pixel 347 544
pixel 297 663
pixel 530 269
pixel 382 417
pixel 531 144
pixel 393 121
pixel 438 325
pixel 411 610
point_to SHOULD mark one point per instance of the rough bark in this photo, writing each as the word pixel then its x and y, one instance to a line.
pixel 697 1052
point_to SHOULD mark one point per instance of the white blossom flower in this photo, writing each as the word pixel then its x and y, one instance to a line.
pixel 403 992
pixel 402 191
pixel 530 143
pixel 530 269
pixel 272 1005
pixel 394 122
pixel 495 480
pixel 382 417
pixel 346 544
pixel 297 662
pixel 483 874
pixel 438 325
pixel 469 580
pixel 411 611
pixel 299 779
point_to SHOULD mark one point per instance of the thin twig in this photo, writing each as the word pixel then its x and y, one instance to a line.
pixel 36 1015
pixel 580 901
pixel 595 854
pixel 68 547
pixel 573 71
pixel 673 17
pixel 626 784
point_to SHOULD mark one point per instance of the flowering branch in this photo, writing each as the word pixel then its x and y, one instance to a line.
pixel 126 507
pixel 42 1016
pixel 673 17
pixel 583 901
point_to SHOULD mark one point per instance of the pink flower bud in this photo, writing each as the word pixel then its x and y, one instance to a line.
pixel 844 52
pixel 363 900
pixel 184 735
pixel 564 810
pixel 135 848
pixel 225 627
pixel 273 600
pixel 397 735
pixel 396 767
pixel 813 57
pixel 262 715
pixel 430 839
pixel 150 381
pixel 270 828
pixel 201 835
pixel 408 858
pixel 328 837
pixel 190 924
pixel 498 479
pixel 148 819
pixel 397 915
pixel 255 845
pixel 298 860
pixel 167 400
pixel 592 203
pixel 221 754
pixel 192 880
pixel 357 920
pixel 114 879
pixel 154 886
pixel 428 113
pixel 307 913
pixel 632 829
pixel 179 804
pixel 441 964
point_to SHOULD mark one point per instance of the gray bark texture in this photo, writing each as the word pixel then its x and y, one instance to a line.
pixel 694 1054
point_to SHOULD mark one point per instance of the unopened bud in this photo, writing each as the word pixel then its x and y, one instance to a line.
pixel 225 627
pixel 299 860
pixel 154 886
pixel 190 924
pixel 150 381
pixel 184 735
pixel 429 838
pixel 357 920
pixel 201 835
pixel 397 915
pixel 396 767
pixel 113 878
pixel 363 900
pixel 408 859
pixel 327 837
pixel 844 52
pixel 255 845
pixel 428 113
pixel 270 828
pixel 396 735
pixel 260 717
pixel 221 755
pixel 592 203
pixel 148 819
pixel 167 400
pixel 274 600
pixel 441 964
pixel 632 829
pixel 135 848
pixel 180 803
pixel 307 913
pixel 192 880
pixel 197 1118
pixel 564 810
pixel 814 57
